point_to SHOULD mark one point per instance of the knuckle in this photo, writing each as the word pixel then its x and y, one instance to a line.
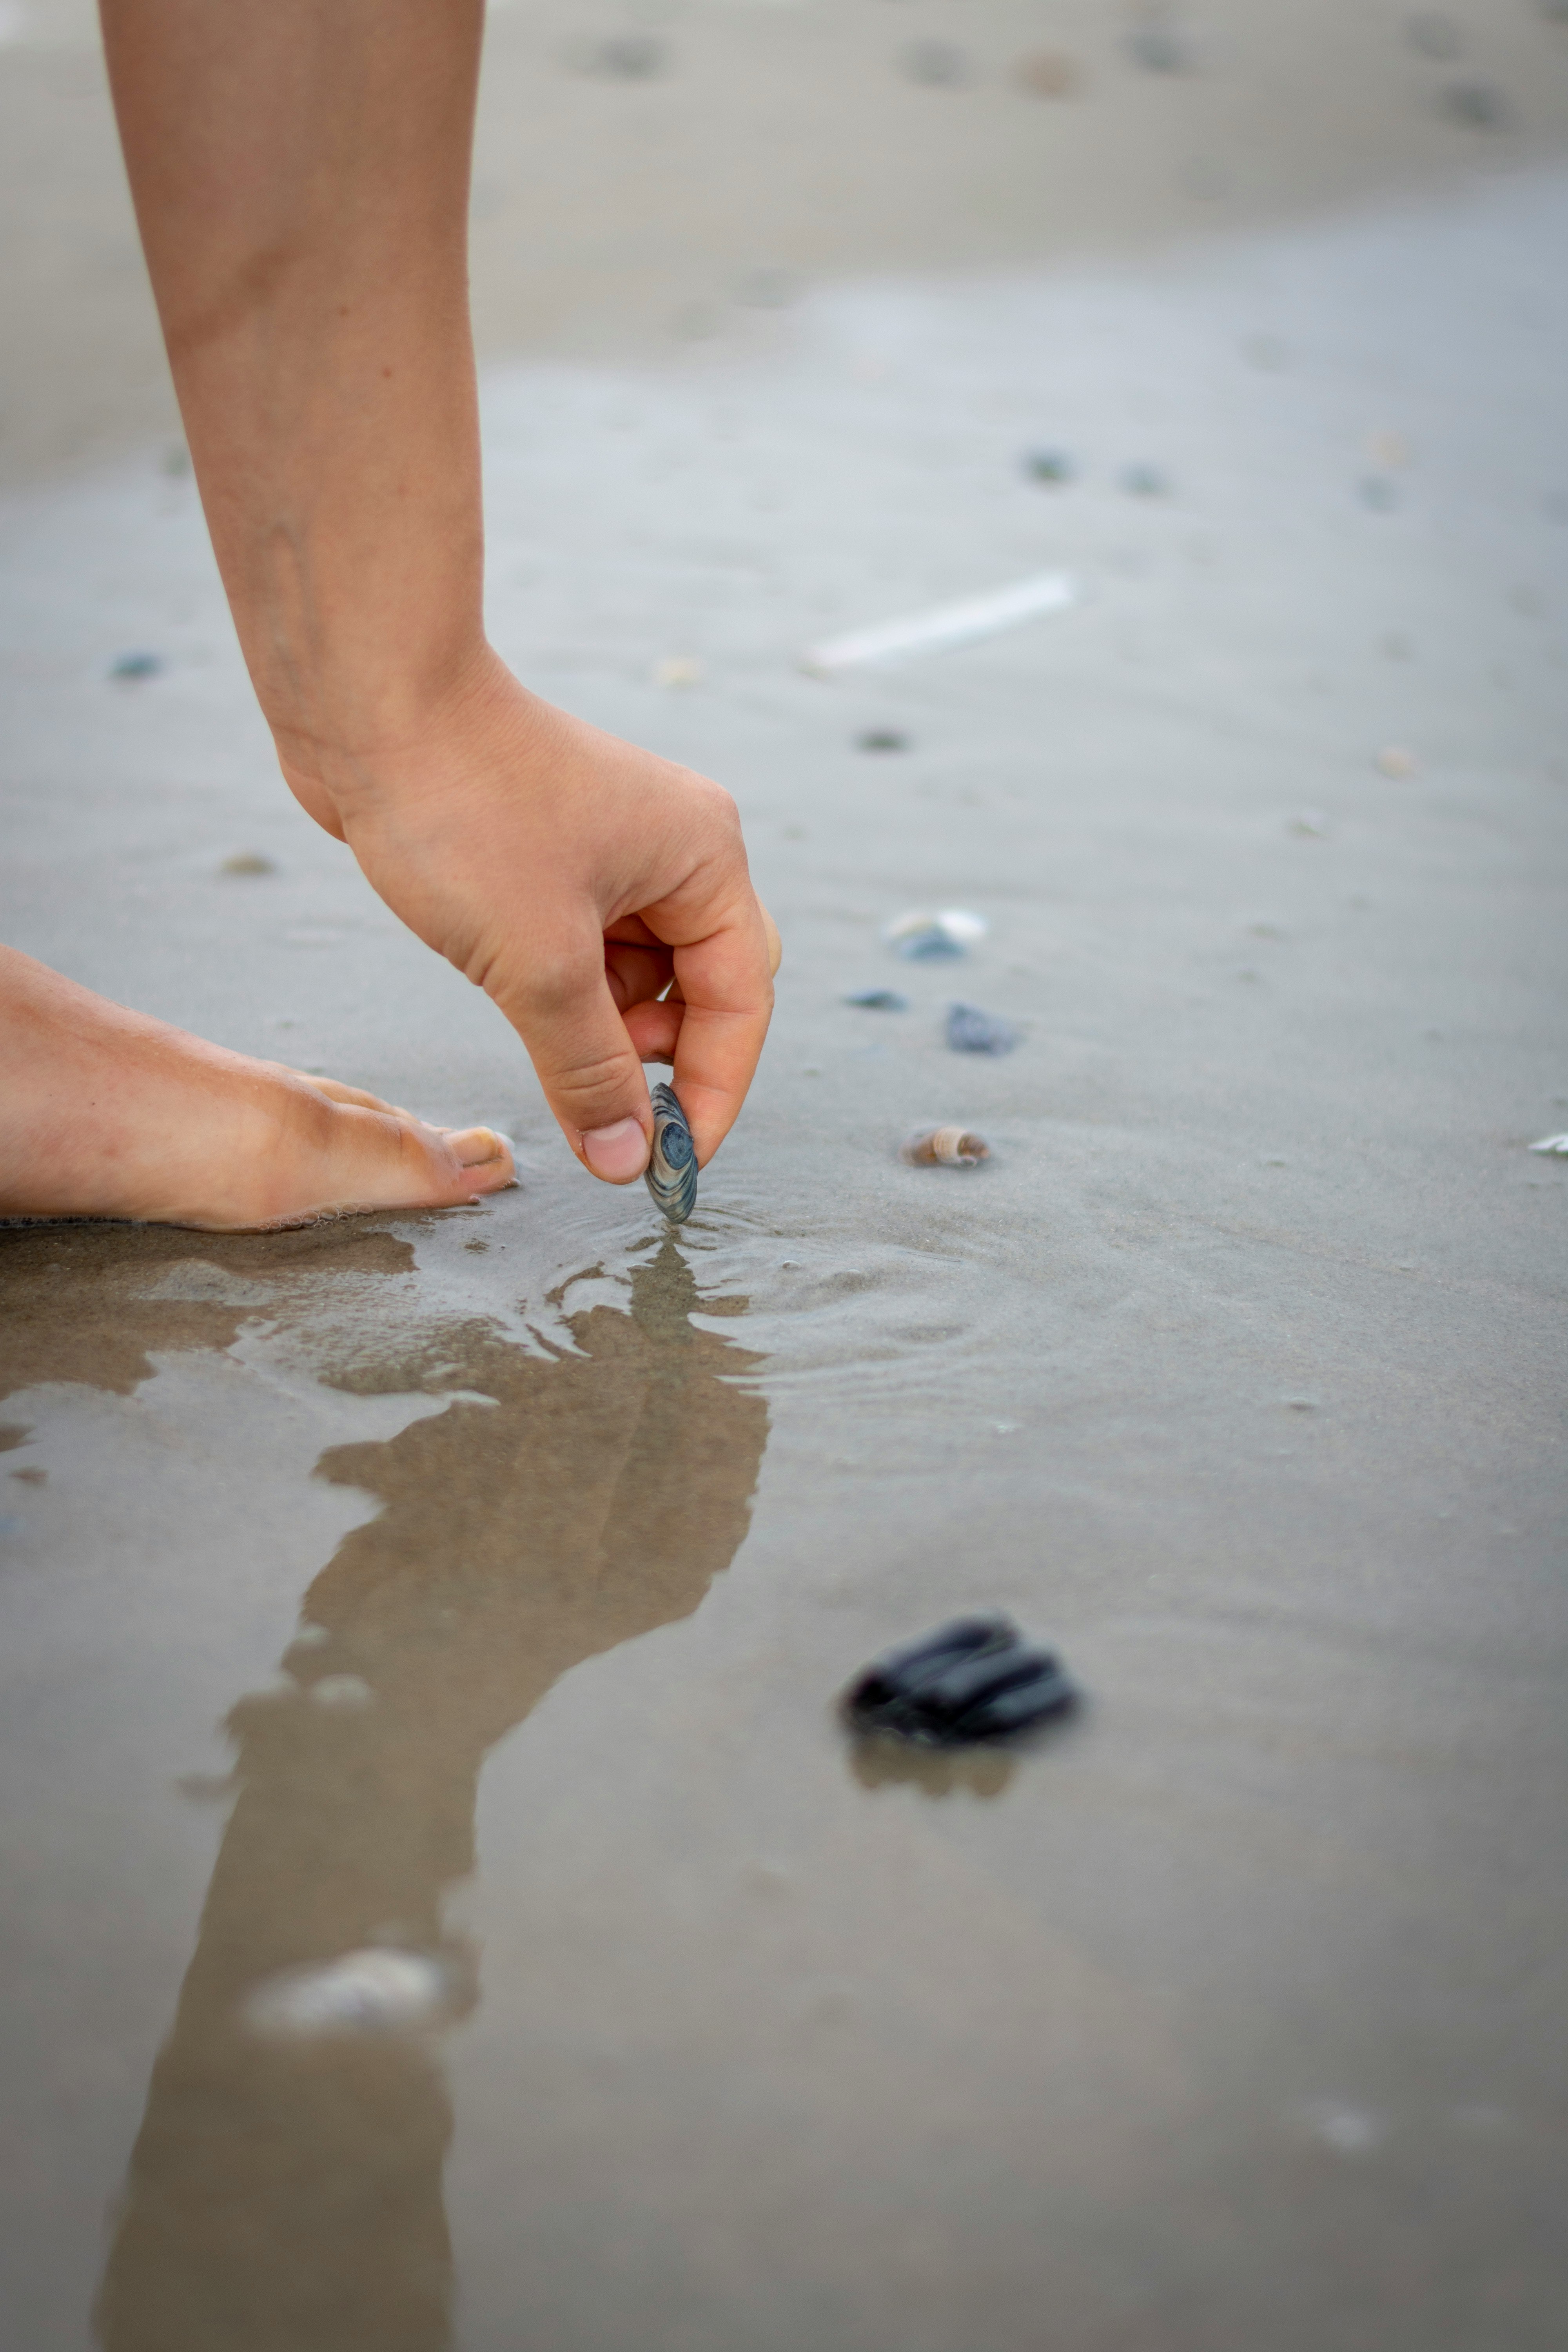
pixel 587 1083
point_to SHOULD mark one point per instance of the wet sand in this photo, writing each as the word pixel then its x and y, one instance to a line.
pixel 480 1585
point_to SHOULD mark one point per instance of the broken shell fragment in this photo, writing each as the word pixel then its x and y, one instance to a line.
pixel 945 1146
pixel 1554 1147
pixel 671 1172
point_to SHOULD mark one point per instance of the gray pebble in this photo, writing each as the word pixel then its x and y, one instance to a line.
pixel 629 56
pixel 1435 37
pixel 970 1031
pixel 1052 467
pixel 1161 49
pixel 1478 105
pixel 935 64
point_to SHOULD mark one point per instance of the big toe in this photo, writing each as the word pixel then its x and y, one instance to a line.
pixel 364 1158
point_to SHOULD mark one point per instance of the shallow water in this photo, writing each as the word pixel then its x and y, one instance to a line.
pixel 1230 2016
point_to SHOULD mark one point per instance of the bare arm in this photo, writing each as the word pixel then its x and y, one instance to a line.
pixel 300 174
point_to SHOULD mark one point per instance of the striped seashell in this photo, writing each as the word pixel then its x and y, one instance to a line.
pixel 945 1146
pixel 671 1172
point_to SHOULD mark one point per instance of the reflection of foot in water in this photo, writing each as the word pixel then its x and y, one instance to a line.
pixel 288 2198
pixel 106 1113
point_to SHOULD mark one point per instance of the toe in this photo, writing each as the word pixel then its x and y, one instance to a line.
pixel 359 1157
pixel 484 1157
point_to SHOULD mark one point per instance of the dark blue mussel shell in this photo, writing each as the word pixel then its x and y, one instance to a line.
pixel 976 1678
pixel 671 1172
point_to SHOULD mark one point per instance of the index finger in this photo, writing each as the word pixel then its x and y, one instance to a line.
pixel 726 981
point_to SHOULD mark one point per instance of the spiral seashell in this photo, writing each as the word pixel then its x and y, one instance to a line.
pixel 671 1172
pixel 945 1146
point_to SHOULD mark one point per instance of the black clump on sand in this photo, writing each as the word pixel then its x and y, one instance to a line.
pixel 974 1679
pixel 879 1000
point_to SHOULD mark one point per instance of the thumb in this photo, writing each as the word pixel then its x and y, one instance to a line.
pixel 586 1061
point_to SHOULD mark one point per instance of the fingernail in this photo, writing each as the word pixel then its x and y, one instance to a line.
pixel 618 1152
pixel 475 1145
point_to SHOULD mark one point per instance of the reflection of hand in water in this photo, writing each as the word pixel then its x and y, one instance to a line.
pixel 288 2198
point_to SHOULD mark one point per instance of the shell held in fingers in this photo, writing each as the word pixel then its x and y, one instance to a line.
pixel 945 1146
pixel 671 1172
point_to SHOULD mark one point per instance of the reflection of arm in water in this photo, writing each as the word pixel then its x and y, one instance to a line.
pixel 288 2198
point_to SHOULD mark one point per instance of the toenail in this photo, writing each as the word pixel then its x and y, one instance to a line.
pixel 618 1152
pixel 475 1145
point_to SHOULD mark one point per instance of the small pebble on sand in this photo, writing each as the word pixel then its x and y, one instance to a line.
pixel 768 289
pixel 1047 73
pixel 879 1000
pixel 1145 482
pixel 1161 49
pixel 1396 759
pixel 1052 467
pixel 882 739
pixel 137 665
pixel 934 65
pixel 247 862
pixel 677 671
pixel 627 57
pixel 1431 36
pixel 970 1031
pixel 1478 105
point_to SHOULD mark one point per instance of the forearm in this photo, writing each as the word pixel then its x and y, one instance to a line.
pixel 301 174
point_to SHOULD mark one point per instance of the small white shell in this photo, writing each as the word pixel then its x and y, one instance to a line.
pixel 342 1691
pixel 1555 1144
pixel 372 1991
pixel 955 926
pixel 945 1146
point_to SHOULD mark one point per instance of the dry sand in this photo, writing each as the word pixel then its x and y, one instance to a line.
pixel 1234 2017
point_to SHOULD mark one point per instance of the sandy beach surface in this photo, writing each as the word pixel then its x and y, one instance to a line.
pixel 474 1590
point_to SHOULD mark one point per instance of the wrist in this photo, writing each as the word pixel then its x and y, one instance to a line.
pixel 353 738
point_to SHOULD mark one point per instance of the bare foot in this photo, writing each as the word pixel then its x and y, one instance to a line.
pixel 105 1113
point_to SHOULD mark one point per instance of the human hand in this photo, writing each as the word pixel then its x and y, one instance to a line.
pixel 574 878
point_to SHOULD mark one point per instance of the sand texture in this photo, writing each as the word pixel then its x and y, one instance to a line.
pixel 483 1583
